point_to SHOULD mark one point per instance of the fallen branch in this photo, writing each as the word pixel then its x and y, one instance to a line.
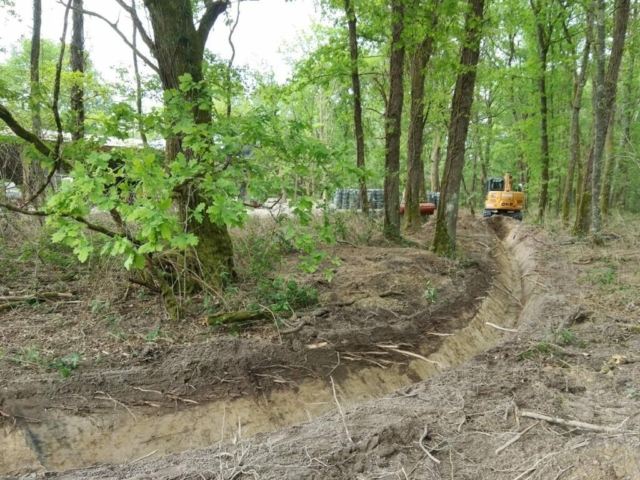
pixel 344 421
pixel 424 435
pixel 297 328
pixel 37 296
pixel 436 334
pixel 516 438
pixel 236 317
pixel 410 354
pixel 10 305
pixel 572 423
pixel 347 243
pixel 500 328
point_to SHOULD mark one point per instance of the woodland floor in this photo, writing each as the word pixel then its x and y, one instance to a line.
pixel 101 379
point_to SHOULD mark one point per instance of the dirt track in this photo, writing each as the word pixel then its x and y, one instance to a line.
pixel 468 412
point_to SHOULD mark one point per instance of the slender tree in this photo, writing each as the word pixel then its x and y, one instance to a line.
pixel 78 67
pixel 33 174
pixel 605 94
pixel 393 123
pixel 544 31
pixel 136 72
pixel 415 164
pixel 357 101
pixel 444 241
pixel 579 81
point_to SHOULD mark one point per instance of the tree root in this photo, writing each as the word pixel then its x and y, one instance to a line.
pixel 237 317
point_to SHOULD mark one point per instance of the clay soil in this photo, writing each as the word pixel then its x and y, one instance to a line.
pixel 574 355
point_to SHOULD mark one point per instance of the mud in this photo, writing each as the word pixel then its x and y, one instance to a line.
pixel 461 415
pixel 193 397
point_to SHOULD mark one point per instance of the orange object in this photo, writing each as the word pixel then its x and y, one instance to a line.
pixel 425 208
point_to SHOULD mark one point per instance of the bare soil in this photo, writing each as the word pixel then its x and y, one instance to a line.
pixel 575 356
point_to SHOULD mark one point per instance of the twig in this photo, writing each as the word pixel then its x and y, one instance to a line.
pixel 516 438
pixel 109 397
pixel 411 354
pixel 572 423
pixel 23 298
pixel 344 421
pixel 562 471
pixel 436 334
pixel 145 456
pixel 500 328
pixel 347 243
pixel 299 327
pixel 424 435
pixel 148 391
pixel 535 465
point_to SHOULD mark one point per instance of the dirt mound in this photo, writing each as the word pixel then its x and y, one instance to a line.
pixel 470 422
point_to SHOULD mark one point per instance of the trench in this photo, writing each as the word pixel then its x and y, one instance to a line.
pixel 59 440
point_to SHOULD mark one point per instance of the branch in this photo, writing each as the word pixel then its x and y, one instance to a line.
pixel 23 133
pixel 209 17
pixel 138 24
pixel 114 26
pixel 56 86
pixel 84 221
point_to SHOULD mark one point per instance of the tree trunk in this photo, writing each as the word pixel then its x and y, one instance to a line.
pixel 580 79
pixel 78 67
pixel 581 225
pixel 607 177
pixel 357 103
pixel 393 123
pixel 605 95
pixel 179 49
pixel 415 164
pixel 33 173
pixel 435 163
pixel 136 72
pixel 626 121
pixel 444 241
pixel 544 42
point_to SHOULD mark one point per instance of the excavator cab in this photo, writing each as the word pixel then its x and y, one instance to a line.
pixel 502 199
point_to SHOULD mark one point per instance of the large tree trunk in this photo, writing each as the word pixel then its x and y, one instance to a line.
pixel 179 49
pixel 543 37
pixel 357 102
pixel 579 81
pixel 33 173
pixel 78 67
pixel 605 95
pixel 415 164
pixel 393 123
pixel 444 241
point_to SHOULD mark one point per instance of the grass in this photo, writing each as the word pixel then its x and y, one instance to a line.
pixel 32 357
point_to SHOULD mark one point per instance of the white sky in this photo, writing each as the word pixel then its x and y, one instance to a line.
pixel 264 27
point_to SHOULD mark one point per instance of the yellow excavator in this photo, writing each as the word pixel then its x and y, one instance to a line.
pixel 502 198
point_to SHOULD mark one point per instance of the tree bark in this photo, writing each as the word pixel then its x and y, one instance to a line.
pixel 580 80
pixel 357 102
pixel 543 36
pixel 33 173
pixel 607 174
pixel 435 163
pixel 444 242
pixel 415 164
pixel 393 123
pixel 605 95
pixel 627 113
pixel 78 67
pixel 179 49
pixel 136 72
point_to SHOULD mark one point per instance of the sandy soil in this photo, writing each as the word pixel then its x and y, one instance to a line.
pixel 570 350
